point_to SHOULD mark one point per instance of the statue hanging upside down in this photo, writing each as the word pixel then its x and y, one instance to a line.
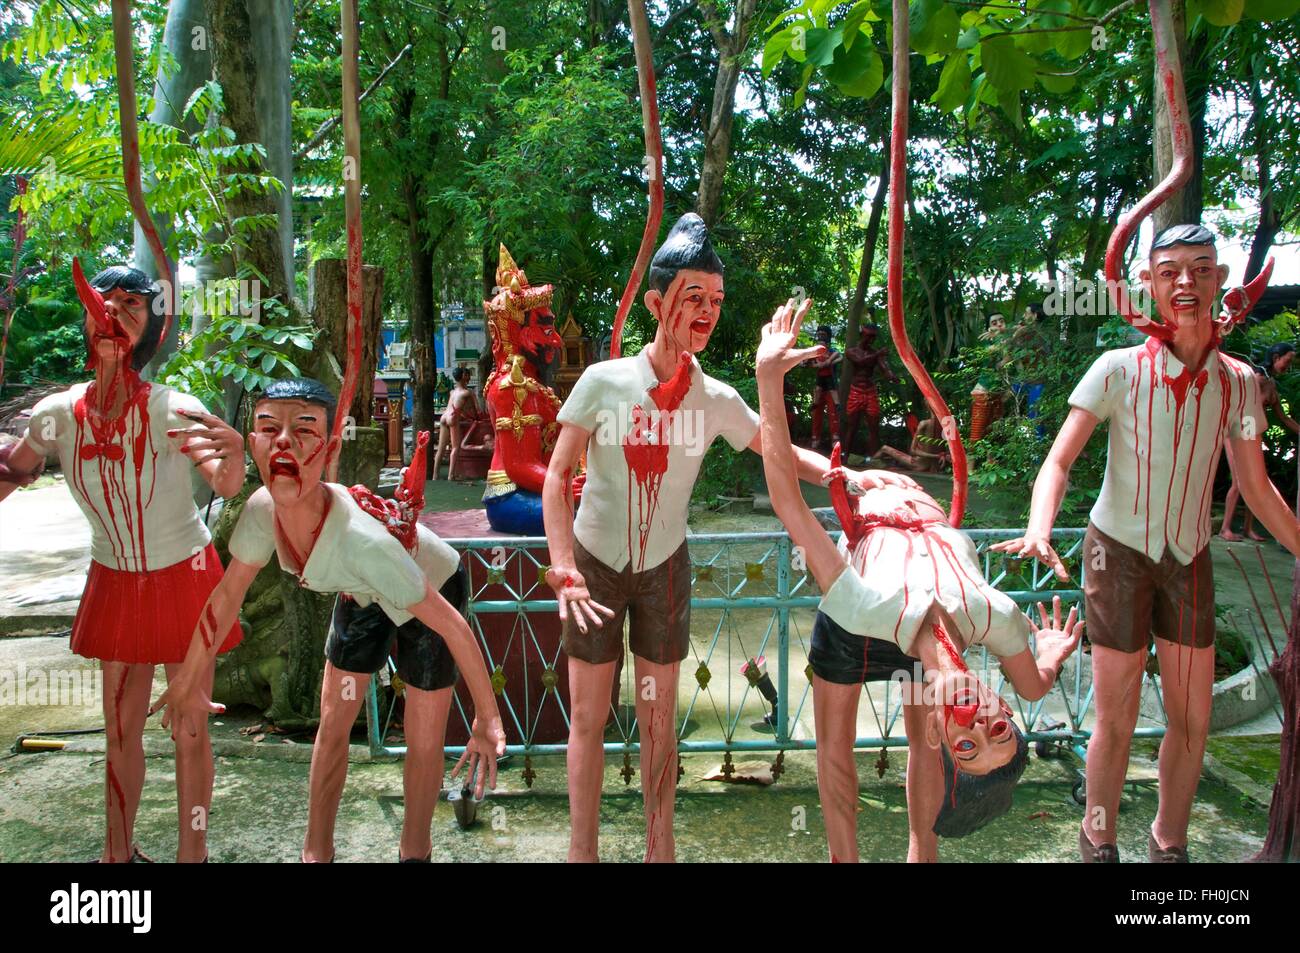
pixel 524 345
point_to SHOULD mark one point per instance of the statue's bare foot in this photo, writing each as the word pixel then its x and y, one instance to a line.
pixel 1255 537
pixel 1228 536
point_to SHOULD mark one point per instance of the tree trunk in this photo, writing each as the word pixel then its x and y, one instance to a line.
pixel 329 312
pixel 171 93
pixel 253 69
pixel 1184 206
pixel 858 305
pixel 717 136
pixel 1270 222
pixel 424 315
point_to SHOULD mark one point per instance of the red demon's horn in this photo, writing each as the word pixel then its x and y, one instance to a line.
pixel 413 482
pixel 1256 286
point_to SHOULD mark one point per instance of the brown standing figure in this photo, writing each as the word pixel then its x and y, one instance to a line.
pixel 866 360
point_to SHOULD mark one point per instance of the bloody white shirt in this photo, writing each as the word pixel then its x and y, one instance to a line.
pixel 353 554
pixel 135 489
pixel 1167 430
pixel 629 515
pixel 896 576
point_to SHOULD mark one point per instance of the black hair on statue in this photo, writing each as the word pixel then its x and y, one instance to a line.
pixel 1182 235
pixel 460 374
pixel 134 281
pixel 687 247
pixel 306 389
pixel 972 800
pixel 824 331
pixel 871 327
pixel 1272 353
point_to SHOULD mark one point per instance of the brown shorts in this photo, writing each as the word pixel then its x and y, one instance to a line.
pixel 1131 598
pixel 656 602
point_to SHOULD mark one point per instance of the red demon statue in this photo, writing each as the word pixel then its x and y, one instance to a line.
pixel 524 346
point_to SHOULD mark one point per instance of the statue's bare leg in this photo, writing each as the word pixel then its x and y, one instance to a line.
pixel 835 716
pixel 1117 685
pixel 126 707
pixel 193 783
pixel 1229 513
pixel 341 695
pixel 656 717
pixel 1186 681
pixel 426 731
pixel 589 693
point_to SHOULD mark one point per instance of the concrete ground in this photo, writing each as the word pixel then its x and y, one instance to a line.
pixel 51 805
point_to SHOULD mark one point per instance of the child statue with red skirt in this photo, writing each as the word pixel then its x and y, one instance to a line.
pixel 126 447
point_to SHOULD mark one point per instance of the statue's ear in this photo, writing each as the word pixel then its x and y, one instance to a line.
pixel 1223 275
pixel 1145 277
pixel 654 301
pixel 933 737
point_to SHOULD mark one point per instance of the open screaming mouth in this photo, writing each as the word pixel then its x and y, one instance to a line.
pixel 701 325
pixel 284 465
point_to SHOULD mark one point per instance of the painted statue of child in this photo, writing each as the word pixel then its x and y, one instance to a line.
pixel 321 535
pixel 127 448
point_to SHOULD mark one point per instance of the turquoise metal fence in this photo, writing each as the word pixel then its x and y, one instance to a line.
pixel 750 597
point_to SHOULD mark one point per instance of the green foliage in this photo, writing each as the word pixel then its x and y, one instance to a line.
pixel 235 348
pixel 728 472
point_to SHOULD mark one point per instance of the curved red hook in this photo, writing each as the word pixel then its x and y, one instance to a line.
pixel 645 73
pixel 124 58
pixel 851 522
pixel 894 287
pixel 351 123
pixel 1171 78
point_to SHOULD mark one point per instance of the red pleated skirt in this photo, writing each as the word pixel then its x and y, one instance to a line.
pixel 146 617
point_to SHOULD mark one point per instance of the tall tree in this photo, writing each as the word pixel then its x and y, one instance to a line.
pixel 731 43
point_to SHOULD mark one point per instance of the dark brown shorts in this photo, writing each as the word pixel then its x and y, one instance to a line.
pixel 657 604
pixel 1130 598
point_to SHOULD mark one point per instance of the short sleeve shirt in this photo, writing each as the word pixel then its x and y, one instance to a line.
pixel 1167 430
pixel 353 554
pixel 896 576
pixel 630 513
pixel 135 487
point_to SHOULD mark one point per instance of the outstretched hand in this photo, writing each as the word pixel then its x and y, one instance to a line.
pixel 1056 641
pixel 860 481
pixel 777 352
pixel 487 742
pixel 1035 546
pixel 574 597
pixel 211 438
pixel 187 706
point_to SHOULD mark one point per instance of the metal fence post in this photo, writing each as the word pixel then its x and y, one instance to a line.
pixel 783 640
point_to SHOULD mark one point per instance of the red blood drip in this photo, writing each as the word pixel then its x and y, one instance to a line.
pixel 645 448
pixel 108 444
pixel 945 643
pixel 300 562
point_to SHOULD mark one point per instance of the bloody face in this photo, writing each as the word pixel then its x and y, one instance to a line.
pixel 1184 282
pixel 975 723
pixel 128 313
pixel 290 443
pixel 689 309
